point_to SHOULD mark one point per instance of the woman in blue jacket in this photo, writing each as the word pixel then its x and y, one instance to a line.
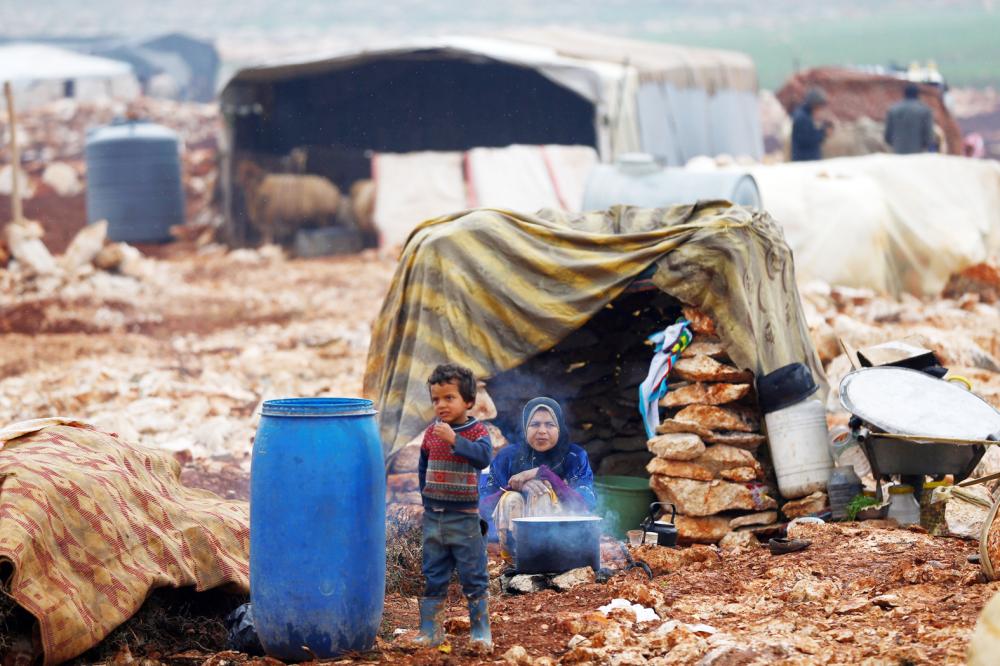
pixel 542 475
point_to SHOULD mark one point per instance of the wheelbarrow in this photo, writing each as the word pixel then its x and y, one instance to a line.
pixel 913 424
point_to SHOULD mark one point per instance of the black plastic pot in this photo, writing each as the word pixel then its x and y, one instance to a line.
pixel 557 544
pixel 785 387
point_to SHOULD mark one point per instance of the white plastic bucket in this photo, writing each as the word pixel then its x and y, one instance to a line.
pixel 800 452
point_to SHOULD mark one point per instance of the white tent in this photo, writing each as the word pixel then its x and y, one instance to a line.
pixel 689 101
pixel 40 73
pixel 672 102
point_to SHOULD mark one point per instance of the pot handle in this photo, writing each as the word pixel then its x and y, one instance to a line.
pixel 652 512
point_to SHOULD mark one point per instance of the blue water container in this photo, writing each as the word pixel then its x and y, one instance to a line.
pixel 317 527
pixel 134 181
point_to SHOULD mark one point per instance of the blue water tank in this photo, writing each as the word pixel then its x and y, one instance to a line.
pixel 636 180
pixel 134 181
pixel 317 527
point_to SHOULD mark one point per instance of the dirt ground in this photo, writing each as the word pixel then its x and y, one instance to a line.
pixel 181 354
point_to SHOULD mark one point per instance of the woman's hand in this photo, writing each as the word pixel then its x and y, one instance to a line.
pixel 518 480
pixel 535 488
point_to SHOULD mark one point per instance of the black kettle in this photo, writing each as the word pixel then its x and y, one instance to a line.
pixel 666 533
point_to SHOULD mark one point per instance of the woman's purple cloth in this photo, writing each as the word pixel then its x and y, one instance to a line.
pixel 565 466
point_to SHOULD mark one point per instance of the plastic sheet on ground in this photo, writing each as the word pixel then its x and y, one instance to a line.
pixel 891 223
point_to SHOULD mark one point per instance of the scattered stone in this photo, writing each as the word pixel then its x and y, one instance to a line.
pixel 705 394
pixel 814 503
pixel 457 625
pixel 676 446
pixel 984 646
pixel 704 529
pixel 85 246
pixel 24 240
pixel 851 605
pixel 517 656
pixel 886 601
pixel 527 583
pixel 813 589
pixel 980 279
pixel 736 541
pixel 573 578
pixel 666 560
pixel 63 179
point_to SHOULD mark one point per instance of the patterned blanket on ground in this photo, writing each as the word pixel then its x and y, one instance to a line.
pixel 92 524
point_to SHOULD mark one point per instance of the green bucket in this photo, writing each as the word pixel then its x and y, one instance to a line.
pixel 623 501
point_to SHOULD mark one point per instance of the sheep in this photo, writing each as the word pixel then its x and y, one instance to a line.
pixel 280 204
pixel 363 208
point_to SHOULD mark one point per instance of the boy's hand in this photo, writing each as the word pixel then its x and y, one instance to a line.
pixel 444 431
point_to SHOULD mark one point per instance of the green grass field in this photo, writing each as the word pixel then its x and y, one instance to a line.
pixel 965 43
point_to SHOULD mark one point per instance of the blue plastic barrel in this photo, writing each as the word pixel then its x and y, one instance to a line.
pixel 317 527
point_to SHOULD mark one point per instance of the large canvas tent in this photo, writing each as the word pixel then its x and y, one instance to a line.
pixel 495 290
pixel 459 93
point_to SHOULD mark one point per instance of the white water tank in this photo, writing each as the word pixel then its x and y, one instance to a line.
pixel 798 439
pixel 637 180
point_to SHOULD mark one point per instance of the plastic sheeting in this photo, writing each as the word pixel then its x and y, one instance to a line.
pixel 527 178
pixel 893 223
pixel 697 123
pixel 413 187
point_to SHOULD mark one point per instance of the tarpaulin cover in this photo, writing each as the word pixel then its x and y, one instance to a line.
pixel 92 524
pixel 491 288
pixel 893 223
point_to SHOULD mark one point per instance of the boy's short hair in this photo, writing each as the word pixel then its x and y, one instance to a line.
pixel 460 375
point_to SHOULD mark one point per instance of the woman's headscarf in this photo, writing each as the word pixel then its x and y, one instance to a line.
pixel 527 457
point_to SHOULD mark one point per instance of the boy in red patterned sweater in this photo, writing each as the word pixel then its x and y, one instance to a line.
pixel 455 448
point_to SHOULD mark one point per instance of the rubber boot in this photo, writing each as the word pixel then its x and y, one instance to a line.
pixel 431 622
pixel 479 624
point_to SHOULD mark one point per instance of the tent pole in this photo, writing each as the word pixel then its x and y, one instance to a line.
pixel 15 157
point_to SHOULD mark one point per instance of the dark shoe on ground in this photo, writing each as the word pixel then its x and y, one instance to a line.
pixel 782 546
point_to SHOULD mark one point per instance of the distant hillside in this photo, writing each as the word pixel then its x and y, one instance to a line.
pixel 965 43
pixel 961 35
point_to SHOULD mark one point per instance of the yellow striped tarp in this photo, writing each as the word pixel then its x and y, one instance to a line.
pixel 491 288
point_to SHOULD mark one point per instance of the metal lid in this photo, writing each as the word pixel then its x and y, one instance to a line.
pixel 908 402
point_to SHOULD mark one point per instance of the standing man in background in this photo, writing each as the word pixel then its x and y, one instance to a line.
pixel 807 136
pixel 909 126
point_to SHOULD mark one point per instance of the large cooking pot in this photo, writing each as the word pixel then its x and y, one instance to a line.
pixel 554 544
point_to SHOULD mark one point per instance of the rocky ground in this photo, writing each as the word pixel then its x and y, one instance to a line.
pixel 178 352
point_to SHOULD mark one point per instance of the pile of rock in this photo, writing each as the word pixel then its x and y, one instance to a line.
pixel 705 463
